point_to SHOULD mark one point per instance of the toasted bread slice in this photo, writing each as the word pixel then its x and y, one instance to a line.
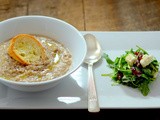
pixel 12 54
pixel 26 49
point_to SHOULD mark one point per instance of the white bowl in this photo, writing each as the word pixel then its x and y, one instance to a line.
pixel 53 28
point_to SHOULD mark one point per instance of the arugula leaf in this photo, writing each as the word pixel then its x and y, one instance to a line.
pixel 143 87
pixel 141 49
pixel 108 60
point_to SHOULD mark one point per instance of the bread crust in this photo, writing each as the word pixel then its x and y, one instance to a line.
pixel 14 53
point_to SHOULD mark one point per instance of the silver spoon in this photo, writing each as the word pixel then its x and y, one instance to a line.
pixel 93 55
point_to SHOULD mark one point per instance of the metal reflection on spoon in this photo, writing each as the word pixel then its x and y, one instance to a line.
pixel 93 55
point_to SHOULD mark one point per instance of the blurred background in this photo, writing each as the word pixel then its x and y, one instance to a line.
pixel 91 15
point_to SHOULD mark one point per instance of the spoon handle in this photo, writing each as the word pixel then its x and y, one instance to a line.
pixel 93 105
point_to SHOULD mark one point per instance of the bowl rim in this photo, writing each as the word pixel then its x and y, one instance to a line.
pixel 54 79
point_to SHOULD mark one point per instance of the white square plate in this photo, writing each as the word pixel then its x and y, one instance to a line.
pixel 72 92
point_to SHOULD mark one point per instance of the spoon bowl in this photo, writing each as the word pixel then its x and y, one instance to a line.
pixel 93 55
pixel 93 49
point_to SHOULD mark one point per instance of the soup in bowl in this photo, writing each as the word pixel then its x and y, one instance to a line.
pixel 38 52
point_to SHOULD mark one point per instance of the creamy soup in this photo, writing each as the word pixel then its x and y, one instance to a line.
pixel 57 63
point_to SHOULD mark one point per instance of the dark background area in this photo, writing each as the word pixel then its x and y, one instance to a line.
pixel 83 114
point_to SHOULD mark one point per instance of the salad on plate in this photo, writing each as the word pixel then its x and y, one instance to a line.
pixel 135 68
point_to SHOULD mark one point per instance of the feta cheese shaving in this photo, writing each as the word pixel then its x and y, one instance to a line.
pixel 130 59
pixel 146 60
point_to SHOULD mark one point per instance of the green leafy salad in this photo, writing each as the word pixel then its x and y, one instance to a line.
pixel 135 68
